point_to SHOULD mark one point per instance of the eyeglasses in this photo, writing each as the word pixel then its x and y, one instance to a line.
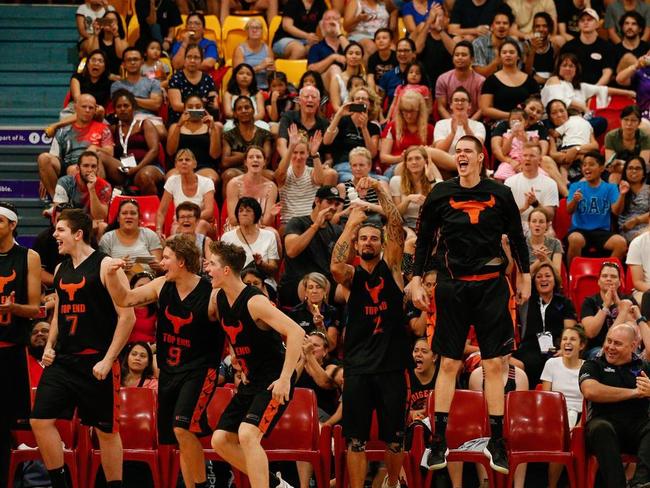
pixel 634 168
pixel 132 60
pixel 405 50
pixel 611 264
pixel 193 58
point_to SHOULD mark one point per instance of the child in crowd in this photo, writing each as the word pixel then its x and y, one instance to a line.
pixel 280 100
pixel 513 144
pixel 591 203
pixel 414 80
pixel 153 67
pixel 383 59
pixel 87 13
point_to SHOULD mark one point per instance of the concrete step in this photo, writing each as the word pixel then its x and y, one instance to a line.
pixel 34 116
pixel 53 13
pixel 44 34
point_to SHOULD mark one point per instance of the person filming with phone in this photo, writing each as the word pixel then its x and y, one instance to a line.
pixel 194 34
pixel 197 131
pixel 354 124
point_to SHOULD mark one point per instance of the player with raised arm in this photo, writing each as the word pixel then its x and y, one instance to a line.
pixel 189 343
pixel 376 345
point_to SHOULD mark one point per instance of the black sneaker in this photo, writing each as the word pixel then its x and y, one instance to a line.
pixel 436 456
pixel 496 453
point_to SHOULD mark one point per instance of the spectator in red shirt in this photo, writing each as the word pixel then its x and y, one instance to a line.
pixel 410 128
pixel 85 189
pixel 37 340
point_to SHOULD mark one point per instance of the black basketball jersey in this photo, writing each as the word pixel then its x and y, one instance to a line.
pixel 186 338
pixel 87 316
pixel 260 352
pixel 13 278
pixel 376 339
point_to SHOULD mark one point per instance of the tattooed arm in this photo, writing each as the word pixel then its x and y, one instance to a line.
pixel 343 249
pixel 394 239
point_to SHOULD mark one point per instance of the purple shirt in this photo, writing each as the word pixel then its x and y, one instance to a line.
pixel 641 84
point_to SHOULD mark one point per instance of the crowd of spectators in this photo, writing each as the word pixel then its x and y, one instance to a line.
pixel 274 167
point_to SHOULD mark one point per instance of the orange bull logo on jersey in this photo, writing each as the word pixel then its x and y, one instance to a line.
pixel 72 288
pixel 472 208
pixel 373 310
pixel 5 280
pixel 232 330
pixel 178 322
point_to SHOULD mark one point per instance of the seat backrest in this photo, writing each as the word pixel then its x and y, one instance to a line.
pixel 536 421
pixel 467 417
pixel 137 418
pixel 293 68
pixel 148 205
pixel 297 429
pixel 581 266
pixel 273 27
pixel 561 220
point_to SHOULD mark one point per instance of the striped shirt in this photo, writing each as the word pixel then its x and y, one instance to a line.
pixel 297 195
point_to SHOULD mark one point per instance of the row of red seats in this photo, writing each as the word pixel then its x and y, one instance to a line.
pixel 535 427
pixel 296 437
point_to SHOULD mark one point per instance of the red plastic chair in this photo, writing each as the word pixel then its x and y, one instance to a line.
pixel 73 453
pixel 536 427
pixel 148 205
pixel 583 277
pixel 137 419
pixel 629 283
pixel 468 419
pixel 561 220
pixel 220 400
pixel 375 450
pixel 298 437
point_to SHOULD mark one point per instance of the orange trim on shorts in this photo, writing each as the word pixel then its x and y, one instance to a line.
pixel 512 307
pixel 269 414
pixel 116 372
pixel 432 316
pixel 480 277
pixel 207 390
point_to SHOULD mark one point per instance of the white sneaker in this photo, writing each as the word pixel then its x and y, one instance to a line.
pixel 386 485
pixel 282 483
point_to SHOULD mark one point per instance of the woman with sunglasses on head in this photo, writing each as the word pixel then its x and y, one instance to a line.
pixel 126 239
pixel 607 308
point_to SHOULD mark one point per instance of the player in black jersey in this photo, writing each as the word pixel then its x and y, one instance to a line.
pixel 189 343
pixel 254 327
pixel 20 294
pixel 86 335
pixel 463 220
pixel 376 345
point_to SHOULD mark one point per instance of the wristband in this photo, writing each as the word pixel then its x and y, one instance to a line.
pixel 605 309
pixel 641 319
pixel 314 156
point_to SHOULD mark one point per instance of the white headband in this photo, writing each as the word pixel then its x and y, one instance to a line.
pixel 10 214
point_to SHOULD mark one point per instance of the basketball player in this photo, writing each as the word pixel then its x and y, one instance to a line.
pixel 189 343
pixel 376 345
pixel 254 328
pixel 86 335
pixel 20 296
pixel 464 219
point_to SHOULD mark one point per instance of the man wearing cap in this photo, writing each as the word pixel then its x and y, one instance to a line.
pixel 20 297
pixel 308 244
pixel 595 54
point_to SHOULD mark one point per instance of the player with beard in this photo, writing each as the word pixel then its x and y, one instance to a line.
pixel 85 189
pixel 463 221
pixel 86 336
pixel 189 344
pixel 376 345
pixel 20 296
pixel 255 328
